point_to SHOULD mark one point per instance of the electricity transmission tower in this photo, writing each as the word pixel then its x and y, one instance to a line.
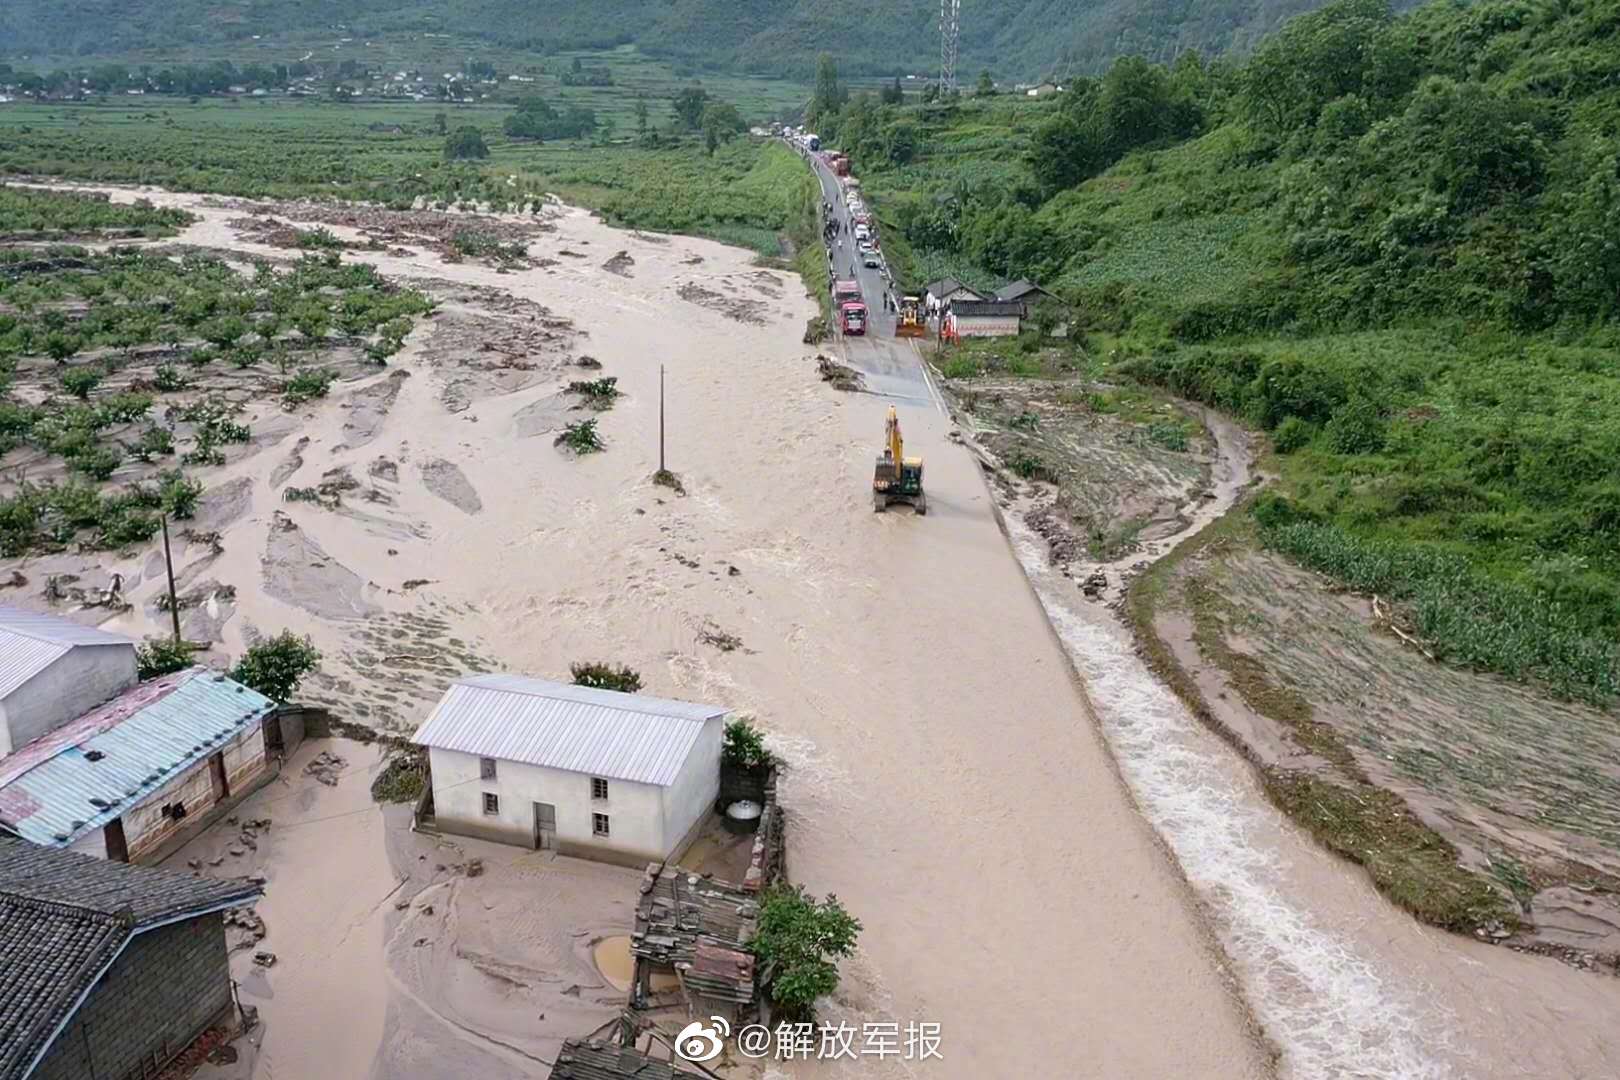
pixel 950 25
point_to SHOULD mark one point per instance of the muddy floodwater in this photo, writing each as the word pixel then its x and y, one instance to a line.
pixel 1049 860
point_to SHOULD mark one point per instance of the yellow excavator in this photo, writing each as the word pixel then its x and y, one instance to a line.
pixel 912 323
pixel 897 478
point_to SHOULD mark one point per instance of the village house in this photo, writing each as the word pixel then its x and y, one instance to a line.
pixel 1025 292
pixel 984 318
pixel 52 670
pixel 947 290
pixel 108 765
pixel 622 778
pixel 107 970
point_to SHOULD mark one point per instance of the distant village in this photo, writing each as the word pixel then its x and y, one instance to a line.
pixel 346 80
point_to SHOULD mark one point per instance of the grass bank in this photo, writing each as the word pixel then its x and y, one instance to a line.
pixel 1410 863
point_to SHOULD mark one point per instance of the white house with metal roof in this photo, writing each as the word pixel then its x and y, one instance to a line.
pixel 52 670
pixel 623 778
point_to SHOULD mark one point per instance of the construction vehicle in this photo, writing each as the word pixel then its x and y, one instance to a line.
pixel 913 322
pixel 897 478
pixel 852 317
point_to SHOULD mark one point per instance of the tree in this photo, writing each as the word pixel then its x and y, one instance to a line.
pixel 721 123
pixel 987 85
pixel 157 657
pixel 275 667
pixel 602 676
pixel 464 144
pixel 893 94
pixel 60 346
pixel 440 124
pixel 641 114
pixel 744 746
pixel 800 940
pixel 689 105
pixel 80 381
pixel 829 95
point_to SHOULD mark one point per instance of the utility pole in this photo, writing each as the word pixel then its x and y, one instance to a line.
pixel 168 563
pixel 660 417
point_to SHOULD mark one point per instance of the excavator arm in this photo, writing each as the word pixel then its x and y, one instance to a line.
pixel 891 432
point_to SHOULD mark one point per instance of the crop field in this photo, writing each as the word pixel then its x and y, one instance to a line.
pixel 393 153
pixel 124 371
pixel 38 215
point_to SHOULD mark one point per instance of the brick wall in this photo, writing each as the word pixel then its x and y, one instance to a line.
pixel 165 988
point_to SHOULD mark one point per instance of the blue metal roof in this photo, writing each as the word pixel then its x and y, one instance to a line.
pixel 92 770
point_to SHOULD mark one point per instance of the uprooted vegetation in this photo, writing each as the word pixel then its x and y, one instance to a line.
pixel 598 395
pixel 581 437
pixel 113 366
pixel 1105 468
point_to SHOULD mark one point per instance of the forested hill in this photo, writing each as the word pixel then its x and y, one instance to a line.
pixel 1016 39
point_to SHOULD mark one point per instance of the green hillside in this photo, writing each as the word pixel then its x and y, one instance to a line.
pixel 1017 39
pixel 1389 242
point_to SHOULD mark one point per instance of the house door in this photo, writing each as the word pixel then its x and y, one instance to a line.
pixel 113 836
pixel 545 827
pixel 216 772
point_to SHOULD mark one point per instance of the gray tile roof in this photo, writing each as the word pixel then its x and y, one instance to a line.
pixel 593 1060
pixel 562 726
pixel 64 917
pixel 31 642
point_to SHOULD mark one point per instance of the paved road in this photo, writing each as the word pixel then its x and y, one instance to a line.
pixel 892 366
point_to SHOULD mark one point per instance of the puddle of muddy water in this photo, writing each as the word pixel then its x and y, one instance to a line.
pixel 612 958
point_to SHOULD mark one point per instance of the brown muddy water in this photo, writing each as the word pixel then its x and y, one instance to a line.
pixel 1067 874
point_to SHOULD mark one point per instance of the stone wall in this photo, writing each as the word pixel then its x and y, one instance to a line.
pixel 167 987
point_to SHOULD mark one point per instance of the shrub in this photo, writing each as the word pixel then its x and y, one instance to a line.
pixel 154 442
pixel 1030 467
pixel 603 676
pixel 167 379
pixel 581 437
pixel 276 666
pixel 306 385
pixel 599 394
pixel 744 746
pixel 1170 436
pixel 800 941
pixel 156 657
pixel 1292 434
pixel 124 408
pixel 179 494
pixel 1356 428
pixel 80 381
pixel 98 462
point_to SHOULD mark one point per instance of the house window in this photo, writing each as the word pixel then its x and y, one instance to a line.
pixel 598 788
pixel 486 768
pixel 599 824
pixel 492 803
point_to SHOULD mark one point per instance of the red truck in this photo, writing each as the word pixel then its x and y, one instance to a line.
pixel 845 292
pixel 852 317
